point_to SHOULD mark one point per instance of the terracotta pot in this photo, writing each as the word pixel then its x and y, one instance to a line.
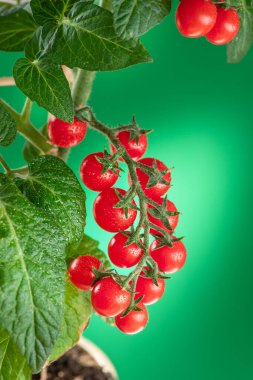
pixel 100 357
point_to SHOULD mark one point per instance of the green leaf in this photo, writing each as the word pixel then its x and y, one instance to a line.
pixel 132 18
pixel 45 10
pixel 46 84
pixel 88 246
pixel 8 128
pixel 86 38
pixel 44 81
pixel 13 365
pixel 7 8
pixel 240 45
pixel 16 28
pixel 32 275
pixel 53 187
pixel 76 317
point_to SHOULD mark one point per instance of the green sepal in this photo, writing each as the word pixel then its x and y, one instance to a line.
pixel 157 176
pixel 109 163
pixel 125 201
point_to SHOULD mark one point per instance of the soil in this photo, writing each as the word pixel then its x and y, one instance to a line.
pixel 76 364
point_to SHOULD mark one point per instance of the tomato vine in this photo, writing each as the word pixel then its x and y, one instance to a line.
pixel 52 274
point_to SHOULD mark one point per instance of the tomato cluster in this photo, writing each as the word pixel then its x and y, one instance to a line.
pixel 111 296
pixel 198 18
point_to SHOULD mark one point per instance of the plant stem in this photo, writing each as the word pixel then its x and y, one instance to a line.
pixel 27 129
pixel 35 137
pixel 21 172
pixel 7 81
pixel 107 4
pixel 82 87
pixel 43 374
pixel 26 112
pixel 4 164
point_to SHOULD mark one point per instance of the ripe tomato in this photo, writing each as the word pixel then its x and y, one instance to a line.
pixel 173 219
pixel 107 216
pixel 91 173
pixel 169 259
pixel 195 18
pixel 108 298
pixel 159 189
pixel 121 255
pixel 134 150
pixel 66 135
pixel 151 292
pixel 134 322
pixel 226 27
pixel 80 271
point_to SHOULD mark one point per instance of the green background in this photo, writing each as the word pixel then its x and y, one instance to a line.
pixel 201 111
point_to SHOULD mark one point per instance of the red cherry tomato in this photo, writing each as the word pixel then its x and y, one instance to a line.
pixel 91 173
pixel 66 135
pixel 169 259
pixel 121 255
pixel 159 189
pixel 195 18
pixel 226 27
pixel 134 322
pixel 107 216
pixel 134 150
pixel 151 292
pixel 173 219
pixel 80 271
pixel 108 298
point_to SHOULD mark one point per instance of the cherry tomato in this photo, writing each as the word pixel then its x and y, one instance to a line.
pixel 226 27
pixel 195 18
pixel 108 298
pixel 134 322
pixel 66 135
pixel 107 216
pixel 134 150
pixel 147 288
pixel 159 189
pixel 121 255
pixel 80 271
pixel 169 259
pixel 173 219
pixel 91 173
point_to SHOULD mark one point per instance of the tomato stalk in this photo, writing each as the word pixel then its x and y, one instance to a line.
pixel 143 221
pixel 82 87
pixel 107 4
pixel 5 165
pixel 26 128
pixel 26 112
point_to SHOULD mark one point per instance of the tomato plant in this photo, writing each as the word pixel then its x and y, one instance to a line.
pixel 52 274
